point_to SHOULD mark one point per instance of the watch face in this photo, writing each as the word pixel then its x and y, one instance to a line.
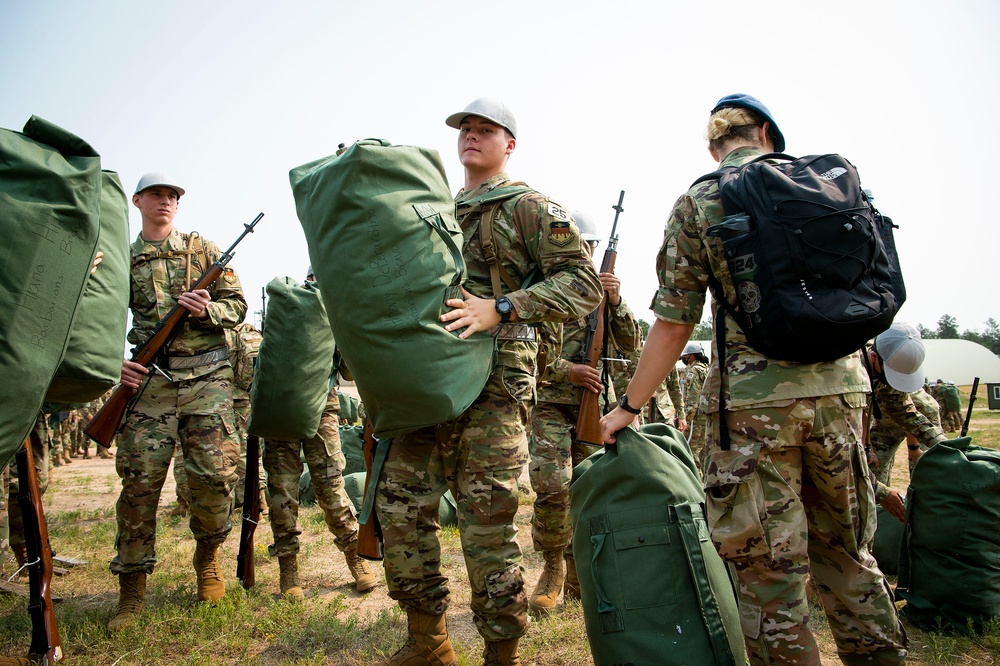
pixel 504 306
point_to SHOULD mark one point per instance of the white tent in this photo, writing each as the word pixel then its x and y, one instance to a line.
pixel 959 361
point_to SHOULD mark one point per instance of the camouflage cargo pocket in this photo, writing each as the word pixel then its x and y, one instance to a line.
pixel 734 512
pixel 504 583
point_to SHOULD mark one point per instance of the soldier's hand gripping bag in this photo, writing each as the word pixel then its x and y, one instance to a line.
pixel 653 588
pixel 50 205
pixel 93 360
pixel 294 361
pixel 949 556
pixel 387 251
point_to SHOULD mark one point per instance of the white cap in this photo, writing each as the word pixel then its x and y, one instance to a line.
pixel 902 353
pixel 154 178
pixel 693 348
pixel 489 108
pixel 587 226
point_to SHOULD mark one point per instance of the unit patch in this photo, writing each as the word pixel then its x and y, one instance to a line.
pixel 560 233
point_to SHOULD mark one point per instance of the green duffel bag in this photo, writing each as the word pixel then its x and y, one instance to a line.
pixel 348 409
pixel 885 546
pixel 354 484
pixel 949 559
pixel 952 400
pixel 351 443
pixel 654 590
pixel 50 206
pixel 93 360
pixel 292 377
pixel 380 218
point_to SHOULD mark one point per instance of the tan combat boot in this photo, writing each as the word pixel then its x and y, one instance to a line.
pixel 211 587
pixel 289 577
pixel 104 452
pixel 571 588
pixel 66 457
pixel 501 653
pixel 131 599
pixel 364 579
pixel 427 644
pixel 543 600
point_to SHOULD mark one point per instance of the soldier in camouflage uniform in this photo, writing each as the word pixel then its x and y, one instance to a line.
pixel 243 342
pixel 790 497
pixel 695 372
pixel 480 455
pixel 901 409
pixel 326 461
pixel 950 405
pixel 552 444
pixel 667 406
pixel 186 398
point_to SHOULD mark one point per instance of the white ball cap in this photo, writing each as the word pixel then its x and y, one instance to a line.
pixel 489 108
pixel 902 353
pixel 154 178
pixel 587 225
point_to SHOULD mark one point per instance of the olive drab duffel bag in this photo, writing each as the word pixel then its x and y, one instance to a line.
pixel 654 590
pixel 949 558
pixel 93 360
pixel 294 361
pixel 386 248
pixel 885 546
pixel 50 206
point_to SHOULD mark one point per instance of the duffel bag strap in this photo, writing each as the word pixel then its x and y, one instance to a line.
pixel 611 617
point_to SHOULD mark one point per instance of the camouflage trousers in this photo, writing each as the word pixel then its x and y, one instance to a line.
pixel 953 421
pixel 553 454
pixel 198 414
pixel 792 498
pixel 479 457
pixel 696 435
pixel 283 464
pixel 885 436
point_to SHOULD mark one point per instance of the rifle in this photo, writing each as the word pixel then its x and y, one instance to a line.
pixel 245 572
pixel 588 422
pixel 972 401
pixel 109 421
pixel 45 641
pixel 370 532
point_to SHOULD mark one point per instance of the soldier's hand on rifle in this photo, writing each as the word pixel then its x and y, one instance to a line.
pixel 613 286
pixel 585 376
pixel 472 313
pixel 132 373
pixel 196 302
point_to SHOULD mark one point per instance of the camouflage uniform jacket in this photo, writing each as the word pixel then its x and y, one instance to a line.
pixel 686 260
pixel 565 343
pixel 899 408
pixel 244 343
pixel 530 231
pixel 159 277
pixel 694 379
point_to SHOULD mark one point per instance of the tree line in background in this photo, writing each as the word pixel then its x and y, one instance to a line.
pixel 947 329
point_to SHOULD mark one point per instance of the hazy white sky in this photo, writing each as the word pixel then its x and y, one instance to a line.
pixel 229 96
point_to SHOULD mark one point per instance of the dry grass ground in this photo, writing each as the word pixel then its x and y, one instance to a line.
pixel 335 625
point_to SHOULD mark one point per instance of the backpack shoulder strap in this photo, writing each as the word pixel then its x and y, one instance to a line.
pixel 491 203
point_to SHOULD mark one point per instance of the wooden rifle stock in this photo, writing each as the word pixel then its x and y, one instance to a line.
pixel 109 419
pixel 588 421
pixel 45 641
pixel 245 571
pixel 972 401
pixel 370 532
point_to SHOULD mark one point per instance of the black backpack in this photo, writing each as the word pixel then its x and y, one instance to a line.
pixel 814 264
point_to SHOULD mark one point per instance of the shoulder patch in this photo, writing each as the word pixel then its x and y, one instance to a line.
pixel 560 233
pixel 230 276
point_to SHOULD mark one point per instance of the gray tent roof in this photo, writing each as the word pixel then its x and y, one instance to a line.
pixel 959 361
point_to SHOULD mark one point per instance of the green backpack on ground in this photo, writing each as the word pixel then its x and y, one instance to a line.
pixel 50 207
pixel 654 590
pixel 351 444
pixel 93 360
pixel 385 245
pixel 885 546
pixel 949 560
pixel 294 361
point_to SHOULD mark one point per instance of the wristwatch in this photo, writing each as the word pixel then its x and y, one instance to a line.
pixel 504 308
pixel 623 403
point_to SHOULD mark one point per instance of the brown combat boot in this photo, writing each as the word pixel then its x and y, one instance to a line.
pixel 289 577
pixel 427 644
pixel 571 588
pixel 66 457
pixel 543 600
pixel 211 587
pixel 364 579
pixel 131 599
pixel 501 653
pixel 104 452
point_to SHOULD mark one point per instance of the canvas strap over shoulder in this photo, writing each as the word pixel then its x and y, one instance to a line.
pixel 490 204
pixel 192 248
